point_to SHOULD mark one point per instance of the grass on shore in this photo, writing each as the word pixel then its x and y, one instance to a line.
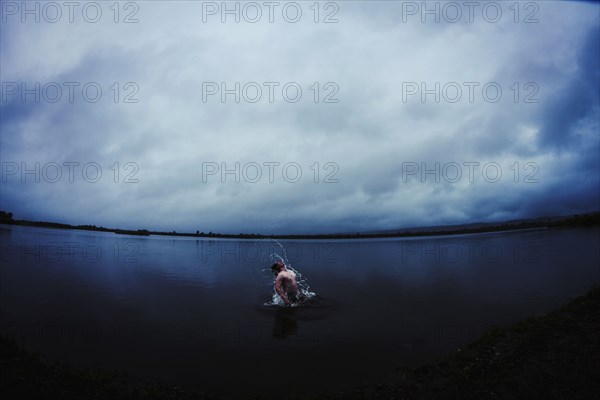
pixel 555 356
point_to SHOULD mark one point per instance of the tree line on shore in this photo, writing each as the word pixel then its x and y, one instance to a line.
pixel 588 219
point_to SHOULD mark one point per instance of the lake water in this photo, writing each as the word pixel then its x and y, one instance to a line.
pixel 196 313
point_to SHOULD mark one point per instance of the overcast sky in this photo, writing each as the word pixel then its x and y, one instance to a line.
pixel 361 148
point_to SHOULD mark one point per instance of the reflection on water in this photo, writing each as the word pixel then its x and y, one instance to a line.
pixel 193 311
pixel 285 324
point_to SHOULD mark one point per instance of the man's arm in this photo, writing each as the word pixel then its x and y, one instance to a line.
pixel 279 289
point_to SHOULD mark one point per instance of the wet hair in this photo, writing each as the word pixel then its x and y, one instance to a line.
pixel 276 267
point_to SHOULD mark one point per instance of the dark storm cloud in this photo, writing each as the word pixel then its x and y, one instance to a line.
pixel 578 99
pixel 370 135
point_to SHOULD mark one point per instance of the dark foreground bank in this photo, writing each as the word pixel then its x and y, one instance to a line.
pixel 556 356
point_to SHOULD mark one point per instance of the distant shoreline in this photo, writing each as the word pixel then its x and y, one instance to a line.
pixel 587 219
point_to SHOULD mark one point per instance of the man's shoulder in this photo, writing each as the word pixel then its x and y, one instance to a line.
pixel 286 275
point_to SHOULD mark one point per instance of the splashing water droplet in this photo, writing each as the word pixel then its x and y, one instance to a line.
pixel 304 293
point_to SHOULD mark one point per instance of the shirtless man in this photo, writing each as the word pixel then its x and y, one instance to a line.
pixel 285 283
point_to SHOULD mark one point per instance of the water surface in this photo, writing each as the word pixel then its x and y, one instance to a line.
pixel 194 312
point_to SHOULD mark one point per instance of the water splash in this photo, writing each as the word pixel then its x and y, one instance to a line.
pixel 304 292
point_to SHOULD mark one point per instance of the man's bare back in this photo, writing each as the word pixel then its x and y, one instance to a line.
pixel 286 285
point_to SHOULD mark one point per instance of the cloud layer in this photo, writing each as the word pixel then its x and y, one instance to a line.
pixel 373 151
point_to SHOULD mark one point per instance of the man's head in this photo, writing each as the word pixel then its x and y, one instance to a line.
pixel 277 267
